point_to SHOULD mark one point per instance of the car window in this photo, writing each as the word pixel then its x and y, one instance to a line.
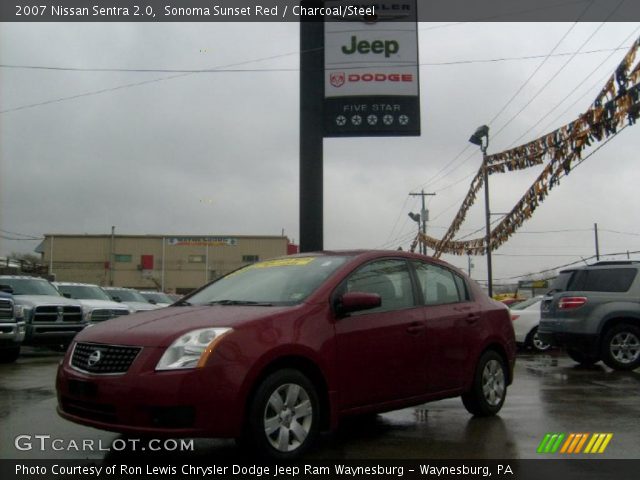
pixel 603 280
pixel 388 278
pixel 439 285
pixel 560 283
pixel 280 281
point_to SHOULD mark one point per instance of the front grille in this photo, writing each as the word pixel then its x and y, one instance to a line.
pixel 103 359
pixel 102 314
pixel 51 313
pixel 6 308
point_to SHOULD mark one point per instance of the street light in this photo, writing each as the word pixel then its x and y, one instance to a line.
pixel 481 138
pixel 416 218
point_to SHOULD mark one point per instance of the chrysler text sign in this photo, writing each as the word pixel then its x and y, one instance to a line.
pixel 371 79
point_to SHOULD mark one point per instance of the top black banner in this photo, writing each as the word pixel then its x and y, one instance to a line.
pixel 296 11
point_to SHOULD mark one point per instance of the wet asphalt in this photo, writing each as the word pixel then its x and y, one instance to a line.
pixel 550 394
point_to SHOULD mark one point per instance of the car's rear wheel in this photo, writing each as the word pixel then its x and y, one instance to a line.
pixel 284 415
pixel 489 388
pixel 9 355
pixel 581 357
pixel 534 341
pixel 621 347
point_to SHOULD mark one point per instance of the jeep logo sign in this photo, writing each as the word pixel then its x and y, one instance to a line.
pixel 371 80
pixel 388 47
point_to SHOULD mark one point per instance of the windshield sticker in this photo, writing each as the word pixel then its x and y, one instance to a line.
pixel 284 262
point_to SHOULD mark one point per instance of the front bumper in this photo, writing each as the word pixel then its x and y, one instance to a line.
pixel 12 334
pixel 52 334
pixel 201 402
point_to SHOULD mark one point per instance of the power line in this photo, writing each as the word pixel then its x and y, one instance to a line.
pixel 289 69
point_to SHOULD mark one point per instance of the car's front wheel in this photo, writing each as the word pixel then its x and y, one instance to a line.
pixel 489 388
pixel 534 341
pixel 284 415
pixel 621 347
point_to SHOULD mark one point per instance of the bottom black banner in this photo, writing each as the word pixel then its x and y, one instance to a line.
pixel 569 469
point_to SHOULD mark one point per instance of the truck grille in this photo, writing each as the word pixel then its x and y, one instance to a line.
pixel 102 359
pixel 51 313
pixel 6 308
pixel 100 315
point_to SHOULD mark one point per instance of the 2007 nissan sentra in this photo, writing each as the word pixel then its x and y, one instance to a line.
pixel 280 350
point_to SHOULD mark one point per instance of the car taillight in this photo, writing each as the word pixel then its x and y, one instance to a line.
pixel 569 303
pixel 514 317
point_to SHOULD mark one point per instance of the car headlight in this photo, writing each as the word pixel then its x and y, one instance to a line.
pixel 22 312
pixel 192 349
pixel 86 314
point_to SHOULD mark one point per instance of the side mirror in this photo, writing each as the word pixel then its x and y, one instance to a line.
pixel 152 301
pixel 66 295
pixel 357 301
pixel 116 299
pixel 6 289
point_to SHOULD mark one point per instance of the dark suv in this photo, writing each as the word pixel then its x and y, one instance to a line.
pixel 594 312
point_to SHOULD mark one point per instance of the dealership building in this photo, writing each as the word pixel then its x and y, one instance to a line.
pixel 154 262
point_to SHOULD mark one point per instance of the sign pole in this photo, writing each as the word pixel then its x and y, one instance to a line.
pixel 311 132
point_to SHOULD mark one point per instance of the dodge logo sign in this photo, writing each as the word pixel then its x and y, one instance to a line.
pixel 94 358
pixel 337 79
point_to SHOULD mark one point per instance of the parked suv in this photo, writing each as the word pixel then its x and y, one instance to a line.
pixel 97 305
pixel 50 318
pixel 594 312
pixel 11 331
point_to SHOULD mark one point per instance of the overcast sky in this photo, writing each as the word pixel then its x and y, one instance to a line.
pixel 217 153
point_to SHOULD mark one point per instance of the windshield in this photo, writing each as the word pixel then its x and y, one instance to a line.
pixel 283 281
pixel 525 303
pixel 84 292
pixel 158 297
pixel 127 295
pixel 30 286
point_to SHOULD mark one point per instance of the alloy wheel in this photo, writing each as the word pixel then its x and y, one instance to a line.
pixel 493 382
pixel 625 347
pixel 288 416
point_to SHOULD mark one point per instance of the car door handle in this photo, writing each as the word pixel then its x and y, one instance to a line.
pixel 472 318
pixel 415 328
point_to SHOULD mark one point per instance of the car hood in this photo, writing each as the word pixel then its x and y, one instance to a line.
pixel 37 300
pixel 159 328
pixel 93 304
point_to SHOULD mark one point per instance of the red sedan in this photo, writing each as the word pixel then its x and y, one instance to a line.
pixel 279 350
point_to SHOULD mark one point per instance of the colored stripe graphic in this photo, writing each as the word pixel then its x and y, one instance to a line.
pixel 550 443
pixel 574 443
pixel 598 442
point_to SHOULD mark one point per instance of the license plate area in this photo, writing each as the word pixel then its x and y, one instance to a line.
pixel 81 388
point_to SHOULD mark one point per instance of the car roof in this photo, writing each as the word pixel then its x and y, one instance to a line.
pixel 76 284
pixel 24 277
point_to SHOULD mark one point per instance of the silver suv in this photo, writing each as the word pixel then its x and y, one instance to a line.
pixel 594 312
pixel 11 330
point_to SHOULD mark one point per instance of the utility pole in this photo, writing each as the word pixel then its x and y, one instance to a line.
pixel 424 214
pixel 112 256
pixel 595 230
pixel 481 138
pixel 469 264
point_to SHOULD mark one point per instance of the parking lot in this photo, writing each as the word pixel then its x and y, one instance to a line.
pixel 550 394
